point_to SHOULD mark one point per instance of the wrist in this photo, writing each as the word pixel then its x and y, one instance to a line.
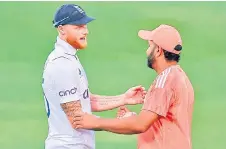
pixel 123 99
pixel 97 123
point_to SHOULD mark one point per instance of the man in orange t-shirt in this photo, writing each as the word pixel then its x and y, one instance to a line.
pixel 165 119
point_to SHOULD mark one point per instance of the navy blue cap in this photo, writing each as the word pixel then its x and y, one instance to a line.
pixel 71 14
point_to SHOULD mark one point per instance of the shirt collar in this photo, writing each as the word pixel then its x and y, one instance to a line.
pixel 167 69
pixel 68 49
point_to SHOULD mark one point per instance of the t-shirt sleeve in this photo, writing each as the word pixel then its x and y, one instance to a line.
pixel 158 100
pixel 65 80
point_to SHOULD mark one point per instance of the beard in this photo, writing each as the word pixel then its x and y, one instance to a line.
pixel 77 44
pixel 151 60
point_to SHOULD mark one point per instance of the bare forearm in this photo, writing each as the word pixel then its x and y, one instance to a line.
pixel 128 125
pixel 102 103
pixel 71 109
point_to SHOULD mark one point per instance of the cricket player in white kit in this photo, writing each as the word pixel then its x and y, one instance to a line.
pixel 65 84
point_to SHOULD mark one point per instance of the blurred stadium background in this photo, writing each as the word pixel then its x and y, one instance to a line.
pixel 114 61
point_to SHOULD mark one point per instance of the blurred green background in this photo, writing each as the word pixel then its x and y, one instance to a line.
pixel 114 61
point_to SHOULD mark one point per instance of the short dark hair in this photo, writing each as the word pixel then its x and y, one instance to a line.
pixel 169 56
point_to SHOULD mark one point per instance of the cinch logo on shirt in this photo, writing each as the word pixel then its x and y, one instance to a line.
pixel 67 92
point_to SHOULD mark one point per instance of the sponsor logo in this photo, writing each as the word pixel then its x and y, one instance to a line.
pixel 68 92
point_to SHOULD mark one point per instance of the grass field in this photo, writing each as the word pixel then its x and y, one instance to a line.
pixel 114 61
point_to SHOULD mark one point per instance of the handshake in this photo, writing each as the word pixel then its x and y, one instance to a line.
pixel 133 96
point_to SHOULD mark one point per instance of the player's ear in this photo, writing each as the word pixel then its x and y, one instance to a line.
pixel 159 51
pixel 61 29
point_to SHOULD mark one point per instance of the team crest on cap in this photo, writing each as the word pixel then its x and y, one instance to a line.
pixel 79 9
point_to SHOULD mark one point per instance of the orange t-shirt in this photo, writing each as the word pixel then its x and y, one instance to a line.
pixel 171 96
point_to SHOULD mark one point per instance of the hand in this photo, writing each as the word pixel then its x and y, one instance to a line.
pixel 134 95
pixel 85 121
pixel 123 112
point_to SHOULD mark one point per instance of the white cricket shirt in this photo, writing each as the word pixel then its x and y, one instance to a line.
pixel 64 80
